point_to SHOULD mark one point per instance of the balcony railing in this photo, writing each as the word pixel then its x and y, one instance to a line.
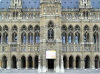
pixel 81 48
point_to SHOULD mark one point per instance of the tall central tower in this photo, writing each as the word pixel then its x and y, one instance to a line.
pixel 50 18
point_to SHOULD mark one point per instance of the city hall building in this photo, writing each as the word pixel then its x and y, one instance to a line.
pixel 49 34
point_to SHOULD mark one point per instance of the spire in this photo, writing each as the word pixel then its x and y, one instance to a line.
pixel 85 4
pixel 16 4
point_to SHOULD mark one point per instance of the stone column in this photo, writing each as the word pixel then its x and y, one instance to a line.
pixel 44 69
pixel 39 64
pixel 0 63
pixel 62 64
pixel 26 63
pixel 82 64
pixel 74 63
pixel 9 63
pixel 68 63
pixel 57 65
pixel 18 63
pixel 92 63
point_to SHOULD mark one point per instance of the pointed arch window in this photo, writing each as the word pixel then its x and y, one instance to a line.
pixel 14 28
pixel 70 38
pixel 95 35
pixel 37 34
pixel 86 37
pixel 50 31
pixel 5 37
pixel 23 38
pixel 64 38
pixel 77 38
pixel 37 38
pixel 30 38
pixel 14 37
pixel 50 34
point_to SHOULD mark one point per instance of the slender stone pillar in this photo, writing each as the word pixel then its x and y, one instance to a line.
pixel 44 69
pixel 0 63
pixel 74 63
pixel 83 64
pixel 57 65
pixel 26 63
pixel 92 63
pixel 39 64
pixel 62 64
pixel 19 64
pixel 68 63
pixel 9 63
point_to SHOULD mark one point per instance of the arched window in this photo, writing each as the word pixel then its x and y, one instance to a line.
pixel 5 37
pixel 37 28
pixel 95 35
pixel 64 38
pixel 5 28
pixel 14 28
pixel 86 34
pixel 77 28
pixel 23 28
pixel 37 34
pixel 30 28
pixel 50 31
pixel 86 28
pixel 86 37
pixel 30 38
pixel 50 34
pixel 23 38
pixel 95 28
pixel 77 38
pixel 37 37
pixel 70 37
pixel 70 28
pixel 14 37
pixel 63 28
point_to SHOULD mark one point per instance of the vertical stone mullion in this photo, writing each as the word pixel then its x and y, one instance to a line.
pixel 0 63
pixel 67 62
pixel 26 63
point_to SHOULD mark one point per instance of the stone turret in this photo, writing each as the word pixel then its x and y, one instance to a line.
pixel 85 4
pixel 16 4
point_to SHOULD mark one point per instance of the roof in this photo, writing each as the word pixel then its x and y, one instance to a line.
pixel 25 3
pixel 70 3
pixel 36 3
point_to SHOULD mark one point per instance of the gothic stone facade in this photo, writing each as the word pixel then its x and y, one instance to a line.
pixel 49 37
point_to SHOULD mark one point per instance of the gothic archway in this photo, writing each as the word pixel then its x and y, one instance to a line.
pixel 4 62
pixel 36 62
pixel 87 62
pixel 65 61
pixel 14 62
pixel 97 62
pixel 71 60
pixel 30 62
pixel 23 62
pixel 78 62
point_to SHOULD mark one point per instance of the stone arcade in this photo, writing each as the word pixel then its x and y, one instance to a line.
pixel 49 34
